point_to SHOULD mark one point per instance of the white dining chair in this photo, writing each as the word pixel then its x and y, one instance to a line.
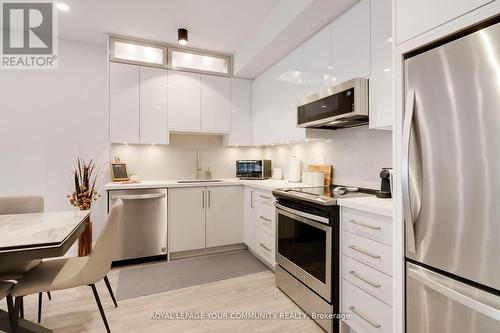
pixel 5 288
pixel 65 273
pixel 15 270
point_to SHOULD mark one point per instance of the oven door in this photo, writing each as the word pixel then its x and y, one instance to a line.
pixel 304 248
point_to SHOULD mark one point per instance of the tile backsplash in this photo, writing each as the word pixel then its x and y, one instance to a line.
pixel 356 154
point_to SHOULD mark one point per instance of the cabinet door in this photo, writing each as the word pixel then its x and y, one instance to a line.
pixel 249 217
pixel 184 101
pixel 381 95
pixel 123 103
pixel 186 212
pixel 262 115
pixel 241 113
pixel 317 63
pixel 215 103
pixel 153 110
pixel 223 218
pixel 416 17
pixel 351 43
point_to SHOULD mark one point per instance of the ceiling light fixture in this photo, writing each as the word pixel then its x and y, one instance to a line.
pixel 182 36
pixel 62 6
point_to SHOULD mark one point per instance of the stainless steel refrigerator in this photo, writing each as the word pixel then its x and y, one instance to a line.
pixel 451 185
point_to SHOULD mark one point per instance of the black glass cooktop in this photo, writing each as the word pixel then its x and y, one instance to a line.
pixel 324 195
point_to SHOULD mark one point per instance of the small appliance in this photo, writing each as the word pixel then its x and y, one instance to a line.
pixel 253 169
pixel 344 105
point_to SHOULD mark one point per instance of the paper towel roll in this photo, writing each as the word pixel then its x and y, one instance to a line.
pixel 294 170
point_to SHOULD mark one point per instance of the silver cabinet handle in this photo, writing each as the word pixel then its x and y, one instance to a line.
pixel 202 198
pixel 138 196
pixel 365 280
pixel 251 199
pixel 209 199
pixel 364 317
pixel 365 225
pixel 264 197
pixel 266 248
pixel 357 249
pixel 265 219
pixel 405 172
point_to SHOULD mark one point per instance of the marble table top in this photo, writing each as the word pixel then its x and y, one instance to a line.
pixel 31 230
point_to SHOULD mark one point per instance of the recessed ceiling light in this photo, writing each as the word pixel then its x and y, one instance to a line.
pixel 182 36
pixel 62 6
pixel 387 69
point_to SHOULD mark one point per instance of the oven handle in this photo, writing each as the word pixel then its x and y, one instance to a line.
pixel 304 215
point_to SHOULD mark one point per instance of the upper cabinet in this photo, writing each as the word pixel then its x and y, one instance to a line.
pixel 123 103
pixel 241 114
pixel 153 106
pixel 184 96
pixel 317 62
pixel 413 18
pixel 351 43
pixel 215 104
pixel 199 103
pixel 137 104
pixel 381 97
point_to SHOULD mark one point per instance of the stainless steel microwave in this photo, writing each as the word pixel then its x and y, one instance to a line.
pixel 253 169
pixel 344 105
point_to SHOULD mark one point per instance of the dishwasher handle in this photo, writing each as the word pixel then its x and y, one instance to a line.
pixel 138 196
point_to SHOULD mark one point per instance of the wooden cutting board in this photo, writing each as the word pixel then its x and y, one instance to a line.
pixel 325 168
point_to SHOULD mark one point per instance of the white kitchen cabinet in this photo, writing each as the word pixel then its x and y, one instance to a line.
pixel 414 18
pixel 317 62
pixel 351 44
pixel 215 104
pixel 249 217
pixel 153 105
pixel 241 113
pixel 223 215
pixel 184 101
pixel 124 93
pixel 186 218
pixel 381 97
pixel 262 115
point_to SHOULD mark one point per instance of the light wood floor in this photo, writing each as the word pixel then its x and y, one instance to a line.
pixel 75 310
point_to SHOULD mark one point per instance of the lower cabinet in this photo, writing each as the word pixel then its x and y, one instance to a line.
pixel 259 223
pixel 223 207
pixel 201 217
pixel 366 270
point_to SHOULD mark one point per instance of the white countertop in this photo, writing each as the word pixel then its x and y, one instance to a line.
pixel 266 184
pixel 371 204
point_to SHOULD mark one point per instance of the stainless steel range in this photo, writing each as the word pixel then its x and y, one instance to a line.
pixel 307 243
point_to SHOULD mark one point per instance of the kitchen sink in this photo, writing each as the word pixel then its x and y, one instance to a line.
pixel 200 181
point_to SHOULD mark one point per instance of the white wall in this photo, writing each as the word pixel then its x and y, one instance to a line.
pixel 357 155
pixel 177 160
pixel 47 119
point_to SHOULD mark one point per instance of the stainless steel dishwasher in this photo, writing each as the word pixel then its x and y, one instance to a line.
pixel 144 227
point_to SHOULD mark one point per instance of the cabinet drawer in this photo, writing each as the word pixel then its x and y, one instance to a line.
pixel 264 218
pixel 264 245
pixel 367 251
pixel 370 280
pixel 264 197
pixel 373 226
pixel 366 313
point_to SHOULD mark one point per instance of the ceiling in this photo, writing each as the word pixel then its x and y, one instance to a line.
pixel 218 25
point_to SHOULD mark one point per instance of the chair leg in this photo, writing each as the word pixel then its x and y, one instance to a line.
pixel 40 307
pixel 99 305
pixel 110 290
pixel 12 314
pixel 21 306
pixel 50 296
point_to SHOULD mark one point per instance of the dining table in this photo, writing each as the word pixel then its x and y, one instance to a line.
pixel 25 237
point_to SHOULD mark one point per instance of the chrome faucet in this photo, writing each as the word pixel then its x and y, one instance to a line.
pixel 198 164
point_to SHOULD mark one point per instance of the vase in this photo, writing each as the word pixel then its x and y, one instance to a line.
pixel 85 239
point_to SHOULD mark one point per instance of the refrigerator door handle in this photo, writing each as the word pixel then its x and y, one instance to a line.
pixel 459 293
pixel 405 172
